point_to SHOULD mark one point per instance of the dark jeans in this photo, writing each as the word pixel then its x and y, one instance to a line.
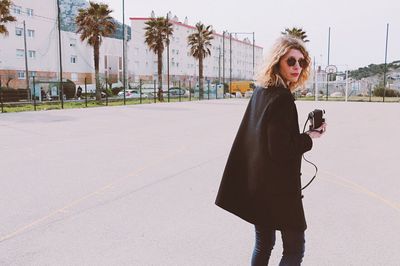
pixel 293 247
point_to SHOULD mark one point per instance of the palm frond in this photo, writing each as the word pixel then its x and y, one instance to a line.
pixel 5 16
pixel 297 33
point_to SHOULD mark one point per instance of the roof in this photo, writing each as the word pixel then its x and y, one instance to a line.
pixel 192 27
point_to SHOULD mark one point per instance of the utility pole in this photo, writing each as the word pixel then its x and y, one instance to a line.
pixel 60 54
pixel 123 50
pixel 219 65
pixel 328 75
pixel 223 58
pixel 167 57
pixel 26 61
pixel 230 64
pixel 254 47
pixel 384 72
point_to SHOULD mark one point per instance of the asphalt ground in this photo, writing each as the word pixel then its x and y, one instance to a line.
pixel 135 185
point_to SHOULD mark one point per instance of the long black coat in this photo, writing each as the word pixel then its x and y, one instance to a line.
pixel 261 181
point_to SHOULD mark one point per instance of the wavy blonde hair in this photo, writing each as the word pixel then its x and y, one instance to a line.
pixel 270 74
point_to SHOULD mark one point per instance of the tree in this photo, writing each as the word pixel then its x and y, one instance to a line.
pixel 5 16
pixel 94 23
pixel 157 35
pixel 296 32
pixel 200 43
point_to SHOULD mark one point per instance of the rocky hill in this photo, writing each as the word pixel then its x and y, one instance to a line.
pixel 69 10
pixel 375 70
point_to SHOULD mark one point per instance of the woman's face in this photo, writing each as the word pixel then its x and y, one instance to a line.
pixel 290 65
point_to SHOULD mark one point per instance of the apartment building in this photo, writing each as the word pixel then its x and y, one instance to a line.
pixel 42 49
pixel 182 66
pixel 38 28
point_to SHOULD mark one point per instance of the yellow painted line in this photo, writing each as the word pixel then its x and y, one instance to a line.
pixel 359 188
pixel 65 208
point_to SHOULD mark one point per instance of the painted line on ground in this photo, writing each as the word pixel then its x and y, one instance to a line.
pixel 90 195
pixel 346 182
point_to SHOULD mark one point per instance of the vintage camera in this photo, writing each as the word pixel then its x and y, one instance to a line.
pixel 316 119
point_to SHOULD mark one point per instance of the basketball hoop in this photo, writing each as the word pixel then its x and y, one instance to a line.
pixel 331 69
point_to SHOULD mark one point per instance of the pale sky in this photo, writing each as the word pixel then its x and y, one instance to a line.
pixel 358 27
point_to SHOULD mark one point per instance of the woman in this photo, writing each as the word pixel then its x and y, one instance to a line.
pixel 261 182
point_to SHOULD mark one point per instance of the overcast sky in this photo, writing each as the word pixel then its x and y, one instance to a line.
pixel 358 27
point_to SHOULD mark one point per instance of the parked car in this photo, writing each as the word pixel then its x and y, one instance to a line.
pixel 132 94
pixel 248 94
pixel 336 94
pixel 175 92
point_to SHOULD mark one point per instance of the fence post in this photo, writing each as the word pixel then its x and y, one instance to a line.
pixel 1 96
pixel 180 89
pixel 208 89
pixel 34 94
pixel 216 89
pixel 85 92
pixel 140 90
pixel 154 94
pixel 168 90
pixel 190 90
pixel 106 92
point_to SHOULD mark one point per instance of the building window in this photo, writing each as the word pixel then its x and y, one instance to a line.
pixel 20 53
pixel 17 9
pixel 21 74
pixel 29 12
pixel 120 63
pixel 32 54
pixel 32 73
pixel 18 31
pixel 74 59
pixel 72 42
pixel 31 33
pixel 74 76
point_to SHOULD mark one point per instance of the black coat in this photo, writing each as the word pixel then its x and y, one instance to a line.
pixel 261 181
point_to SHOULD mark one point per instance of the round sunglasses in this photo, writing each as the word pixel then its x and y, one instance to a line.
pixel 291 61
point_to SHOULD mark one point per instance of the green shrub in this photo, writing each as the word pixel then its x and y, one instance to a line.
pixel 378 91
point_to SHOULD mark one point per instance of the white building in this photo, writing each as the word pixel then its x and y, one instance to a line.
pixel 43 49
pixel 43 59
pixel 182 65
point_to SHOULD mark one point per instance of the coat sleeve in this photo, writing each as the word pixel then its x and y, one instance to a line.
pixel 284 141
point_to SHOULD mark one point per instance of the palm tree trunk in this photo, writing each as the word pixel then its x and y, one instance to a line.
pixel 201 81
pixel 160 64
pixel 96 55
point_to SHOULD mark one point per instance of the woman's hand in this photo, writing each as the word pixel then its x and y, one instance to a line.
pixel 316 133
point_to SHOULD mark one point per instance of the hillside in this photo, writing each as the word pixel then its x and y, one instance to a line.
pixel 374 70
pixel 69 10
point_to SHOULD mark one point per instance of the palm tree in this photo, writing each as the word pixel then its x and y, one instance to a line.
pixel 157 35
pixel 296 32
pixel 94 23
pixel 200 43
pixel 5 16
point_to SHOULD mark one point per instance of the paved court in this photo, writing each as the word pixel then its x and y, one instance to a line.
pixel 135 185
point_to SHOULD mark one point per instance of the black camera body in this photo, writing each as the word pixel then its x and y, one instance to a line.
pixel 316 119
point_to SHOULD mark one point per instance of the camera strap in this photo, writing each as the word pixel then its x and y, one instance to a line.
pixel 316 168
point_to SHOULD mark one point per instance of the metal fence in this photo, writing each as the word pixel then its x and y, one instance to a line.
pixel 45 94
pixel 348 90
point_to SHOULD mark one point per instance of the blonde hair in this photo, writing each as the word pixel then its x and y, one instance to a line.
pixel 270 73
